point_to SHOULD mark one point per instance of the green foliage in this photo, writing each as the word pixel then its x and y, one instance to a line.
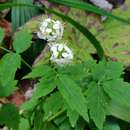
pixel 103 85
pixel 65 126
pixel 73 116
pixel 1 35
pixel 45 86
pixel 39 71
pixel 20 16
pixel 119 111
pixel 97 104
pixel 8 66
pixel 72 94
pixel 52 105
pixel 9 116
pixel 64 97
pixel 106 85
pixel 24 124
pixel 22 41
pixel 111 125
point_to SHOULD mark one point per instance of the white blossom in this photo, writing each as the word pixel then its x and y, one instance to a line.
pixel 61 53
pixel 50 30
pixel 104 4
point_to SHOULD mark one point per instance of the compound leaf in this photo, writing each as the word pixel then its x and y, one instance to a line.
pixel 72 94
pixel 97 101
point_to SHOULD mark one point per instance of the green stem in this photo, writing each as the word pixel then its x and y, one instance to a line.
pixel 56 115
pixel 3 48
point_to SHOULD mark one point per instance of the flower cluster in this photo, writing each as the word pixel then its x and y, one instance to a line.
pixel 61 53
pixel 52 31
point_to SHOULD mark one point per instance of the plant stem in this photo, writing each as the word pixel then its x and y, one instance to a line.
pixel 56 115
pixel 3 48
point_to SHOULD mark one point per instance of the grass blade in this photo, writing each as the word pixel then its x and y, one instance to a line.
pixel 88 7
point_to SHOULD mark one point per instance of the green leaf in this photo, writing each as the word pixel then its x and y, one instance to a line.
pixel 118 90
pixel 119 111
pixel 38 71
pixel 111 125
pixel 29 105
pixel 20 16
pixel 65 126
pixel 7 89
pixel 24 124
pixel 1 35
pixel 52 105
pixel 9 116
pixel 107 70
pixel 44 87
pixel 8 66
pixel 60 119
pixel 97 101
pixel 38 123
pixel 22 41
pixel 72 94
pixel 51 126
pixel 73 116
pixel 75 71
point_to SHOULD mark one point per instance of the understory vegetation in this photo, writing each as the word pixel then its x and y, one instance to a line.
pixel 64 65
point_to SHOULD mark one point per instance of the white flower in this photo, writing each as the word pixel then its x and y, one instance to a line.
pixel 61 53
pixel 50 30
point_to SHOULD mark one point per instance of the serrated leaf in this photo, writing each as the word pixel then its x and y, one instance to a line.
pixel 38 71
pixel 107 70
pixel 72 94
pixel 8 88
pixel 75 72
pixel 44 87
pixel 8 66
pixel 118 90
pixel 119 111
pixel 97 101
pixel 52 105
pixel 73 116
pixel 29 105
pixel 22 41
pixel 9 116
pixel 1 35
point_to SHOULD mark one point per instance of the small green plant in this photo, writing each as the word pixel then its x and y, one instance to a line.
pixel 69 93
pixel 65 97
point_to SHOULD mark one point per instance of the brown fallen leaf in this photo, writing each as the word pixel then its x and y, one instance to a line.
pixel 7 27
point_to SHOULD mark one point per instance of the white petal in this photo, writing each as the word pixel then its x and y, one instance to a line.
pixel 48 30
